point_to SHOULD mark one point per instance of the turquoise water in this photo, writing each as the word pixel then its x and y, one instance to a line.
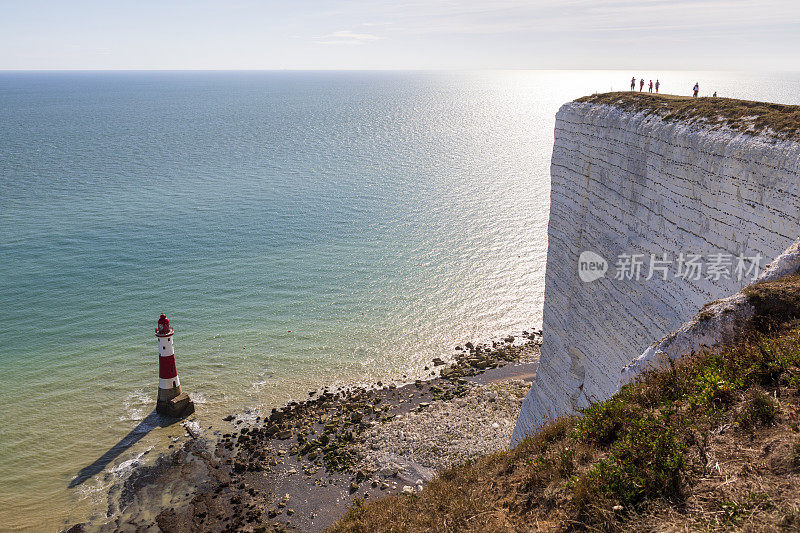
pixel 299 229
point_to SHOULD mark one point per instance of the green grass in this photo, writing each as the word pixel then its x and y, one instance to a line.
pixel 741 115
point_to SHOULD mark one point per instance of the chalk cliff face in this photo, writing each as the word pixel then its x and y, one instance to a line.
pixel 628 182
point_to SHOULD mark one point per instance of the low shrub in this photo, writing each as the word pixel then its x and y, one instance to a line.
pixel 758 409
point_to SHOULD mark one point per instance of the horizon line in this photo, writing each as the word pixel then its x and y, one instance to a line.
pixel 442 69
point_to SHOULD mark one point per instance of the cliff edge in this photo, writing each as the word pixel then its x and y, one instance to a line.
pixel 659 205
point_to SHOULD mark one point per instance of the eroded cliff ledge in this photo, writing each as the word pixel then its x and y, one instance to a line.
pixel 653 175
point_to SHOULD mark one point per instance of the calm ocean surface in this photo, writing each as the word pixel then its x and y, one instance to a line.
pixel 299 229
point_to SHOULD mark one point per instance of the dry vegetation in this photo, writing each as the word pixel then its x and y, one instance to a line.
pixel 779 298
pixel 711 443
pixel 740 115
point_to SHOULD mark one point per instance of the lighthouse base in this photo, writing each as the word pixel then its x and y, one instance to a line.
pixel 174 402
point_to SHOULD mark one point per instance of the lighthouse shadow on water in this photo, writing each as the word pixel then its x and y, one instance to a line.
pixel 172 405
pixel 152 421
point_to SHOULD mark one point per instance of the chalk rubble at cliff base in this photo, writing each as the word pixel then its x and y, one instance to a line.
pixel 446 433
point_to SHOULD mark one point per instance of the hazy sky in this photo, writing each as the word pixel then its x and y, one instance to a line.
pixel 410 34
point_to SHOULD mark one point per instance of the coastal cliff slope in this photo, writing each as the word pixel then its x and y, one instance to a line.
pixel 656 176
pixel 711 443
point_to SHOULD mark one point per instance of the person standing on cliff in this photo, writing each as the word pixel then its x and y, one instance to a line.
pixel 650 87
pixel 658 83
pixel 696 89
pixel 633 83
pixel 641 84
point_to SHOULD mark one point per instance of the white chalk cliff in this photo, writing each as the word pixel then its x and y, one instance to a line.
pixel 631 182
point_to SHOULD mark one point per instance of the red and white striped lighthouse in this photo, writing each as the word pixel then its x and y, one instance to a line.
pixel 172 401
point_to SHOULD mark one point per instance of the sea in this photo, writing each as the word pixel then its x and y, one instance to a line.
pixel 300 229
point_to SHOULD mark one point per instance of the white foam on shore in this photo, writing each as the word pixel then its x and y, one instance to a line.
pixel 199 398
pixel 193 425
pixel 136 406
pixel 124 469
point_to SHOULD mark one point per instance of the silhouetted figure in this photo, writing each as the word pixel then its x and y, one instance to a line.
pixel 641 84
pixel 715 94
pixel 696 89
pixel 658 84
pixel 633 83
pixel 650 88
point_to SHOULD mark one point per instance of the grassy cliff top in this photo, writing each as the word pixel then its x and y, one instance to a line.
pixel 741 115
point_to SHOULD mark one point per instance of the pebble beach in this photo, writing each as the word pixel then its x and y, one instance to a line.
pixel 302 466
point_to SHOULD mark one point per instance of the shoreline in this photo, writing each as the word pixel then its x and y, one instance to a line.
pixel 303 465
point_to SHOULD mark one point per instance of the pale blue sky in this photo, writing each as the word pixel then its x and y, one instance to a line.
pixel 410 34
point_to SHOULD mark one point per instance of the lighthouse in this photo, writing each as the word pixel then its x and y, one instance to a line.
pixel 172 401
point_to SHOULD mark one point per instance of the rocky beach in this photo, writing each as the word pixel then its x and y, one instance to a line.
pixel 302 466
